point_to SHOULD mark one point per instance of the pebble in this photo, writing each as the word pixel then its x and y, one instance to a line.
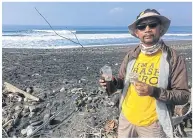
pixel 79 89
pixel 46 117
pixel 29 130
pixel 76 109
pixel 85 99
pixel 19 99
pixel 17 108
pixel 32 108
pixel 74 90
pixel 10 95
pixel 89 98
pixel 36 74
pixel 25 99
pixel 111 103
pixel 31 114
pixel 65 81
pixel 14 136
pixel 48 105
pixel 62 89
pixel 29 90
pixel 83 79
pixel 92 110
pixel 23 131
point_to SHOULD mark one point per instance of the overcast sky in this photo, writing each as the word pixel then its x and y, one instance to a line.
pixel 91 14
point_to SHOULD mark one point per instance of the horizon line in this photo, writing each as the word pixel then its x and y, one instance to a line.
pixel 81 25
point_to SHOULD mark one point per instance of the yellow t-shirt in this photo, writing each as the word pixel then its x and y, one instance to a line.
pixel 141 110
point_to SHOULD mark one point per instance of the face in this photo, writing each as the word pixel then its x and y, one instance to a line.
pixel 148 31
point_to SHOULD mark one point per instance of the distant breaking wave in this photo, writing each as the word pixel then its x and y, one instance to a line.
pixel 58 31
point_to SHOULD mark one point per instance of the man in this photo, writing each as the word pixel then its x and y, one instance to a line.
pixel 147 102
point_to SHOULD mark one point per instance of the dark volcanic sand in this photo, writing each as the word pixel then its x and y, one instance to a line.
pixel 51 69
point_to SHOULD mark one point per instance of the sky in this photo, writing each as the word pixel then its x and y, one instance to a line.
pixel 91 13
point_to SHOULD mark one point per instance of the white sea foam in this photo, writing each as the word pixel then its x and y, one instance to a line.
pixel 47 39
pixel 70 36
pixel 67 34
pixel 58 31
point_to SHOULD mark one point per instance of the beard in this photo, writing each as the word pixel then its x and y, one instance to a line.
pixel 150 39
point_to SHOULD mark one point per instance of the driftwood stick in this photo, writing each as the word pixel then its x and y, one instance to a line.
pixel 66 119
pixel 7 123
pixel 56 32
pixel 9 87
pixel 90 127
pixel 5 132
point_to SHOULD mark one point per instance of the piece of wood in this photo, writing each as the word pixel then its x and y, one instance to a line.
pixel 11 88
pixel 5 132
pixel 7 123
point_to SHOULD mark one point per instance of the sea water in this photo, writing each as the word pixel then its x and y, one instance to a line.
pixel 43 37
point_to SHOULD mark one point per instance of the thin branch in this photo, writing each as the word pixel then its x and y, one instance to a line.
pixel 66 119
pixel 57 33
pixel 7 123
pixel 74 34
pixel 5 132
pixel 90 127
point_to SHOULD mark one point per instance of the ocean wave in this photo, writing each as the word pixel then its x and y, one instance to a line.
pixel 57 31
pixel 50 40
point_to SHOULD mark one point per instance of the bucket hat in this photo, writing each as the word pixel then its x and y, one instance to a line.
pixel 165 22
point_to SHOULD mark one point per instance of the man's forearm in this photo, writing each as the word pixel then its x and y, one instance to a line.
pixel 175 96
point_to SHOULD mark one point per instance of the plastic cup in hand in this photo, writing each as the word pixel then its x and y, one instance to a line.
pixel 106 73
pixel 133 77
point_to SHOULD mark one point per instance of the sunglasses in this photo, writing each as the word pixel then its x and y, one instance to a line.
pixel 150 25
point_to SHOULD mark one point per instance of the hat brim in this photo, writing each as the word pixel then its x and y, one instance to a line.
pixel 165 22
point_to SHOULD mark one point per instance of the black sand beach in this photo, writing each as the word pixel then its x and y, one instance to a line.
pixel 54 73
